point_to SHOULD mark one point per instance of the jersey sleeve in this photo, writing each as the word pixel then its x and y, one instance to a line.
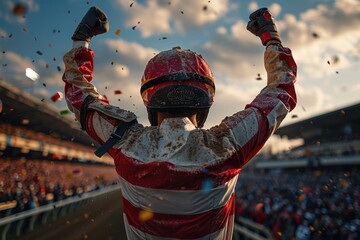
pixel 97 116
pixel 252 126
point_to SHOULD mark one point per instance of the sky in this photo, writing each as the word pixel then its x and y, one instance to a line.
pixel 323 35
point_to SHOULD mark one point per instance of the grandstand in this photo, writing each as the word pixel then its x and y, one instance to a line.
pixel 48 166
pixel 311 191
pixel 44 156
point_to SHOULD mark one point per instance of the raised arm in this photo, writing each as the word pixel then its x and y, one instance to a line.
pixel 253 126
pixel 97 117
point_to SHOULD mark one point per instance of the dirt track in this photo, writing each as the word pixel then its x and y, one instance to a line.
pixel 101 219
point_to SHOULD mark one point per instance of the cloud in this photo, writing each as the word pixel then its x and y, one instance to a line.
pixel 159 17
pixel 13 68
pixel 339 18
pixel 253 6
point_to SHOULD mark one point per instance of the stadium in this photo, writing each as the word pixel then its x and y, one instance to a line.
pixel 52 186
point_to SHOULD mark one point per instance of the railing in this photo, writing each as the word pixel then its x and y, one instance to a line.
pixel 251 230
pixel 50 212
pixel 46 213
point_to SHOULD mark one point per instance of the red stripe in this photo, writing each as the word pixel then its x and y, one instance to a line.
pixel 165 175
pixel 181 226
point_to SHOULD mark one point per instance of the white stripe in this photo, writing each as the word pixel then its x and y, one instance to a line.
pixel 182 202
pixel 246 129
pixel 136 234
pixel 276 115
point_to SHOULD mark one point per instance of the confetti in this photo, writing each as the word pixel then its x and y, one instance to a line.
pixel 64 112
pixel 133 28
pixel 117 32
pixel 328 62
pixel 42 99
pixel 207 185
pixel 131 4
pixel 44 84
pixel 25 121
pixel 145 215
pixel 205 8
pixel 31 74
pixel 117 92
pixel 335 59
pixel 294 116
pixel 59 68
pixel 315 35
pixel 182 12
pixel 258 77
pixel 39 52
pixel 19 9
pixel 57 96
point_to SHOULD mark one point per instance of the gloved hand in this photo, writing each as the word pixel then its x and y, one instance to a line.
pixel 262 24
pixel 93 23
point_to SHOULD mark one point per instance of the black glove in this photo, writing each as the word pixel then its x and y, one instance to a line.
pixel 93 23
pixel 262 25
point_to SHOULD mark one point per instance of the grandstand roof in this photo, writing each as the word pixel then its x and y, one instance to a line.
pixel 328 126
pixel 42 116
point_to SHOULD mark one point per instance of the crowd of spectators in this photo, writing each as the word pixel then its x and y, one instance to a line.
pixel 33 183
pixel 303 204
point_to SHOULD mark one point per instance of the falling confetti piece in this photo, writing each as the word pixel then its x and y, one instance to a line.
pixel 19 9
pixel 117 32
pixel 64 112
pixel 207 185
pixel 145 215
pixel 117 92
pixel 44 84
pixel 182 12
pixel 294 116
pixel 57 96
pixel 258 77
pixel 31 74
pixel 342 112
pixel 131 4
pixel 328 62
pixel 59 68
pixel 205 8
pixel 42 99
pixel 25 29
pixel 315 35
pixel 39 52
pixel 133 28
pixel 25 121
pixel 10 36
pixel 335 59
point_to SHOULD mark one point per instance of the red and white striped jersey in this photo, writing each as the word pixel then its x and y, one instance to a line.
pixel 177 180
